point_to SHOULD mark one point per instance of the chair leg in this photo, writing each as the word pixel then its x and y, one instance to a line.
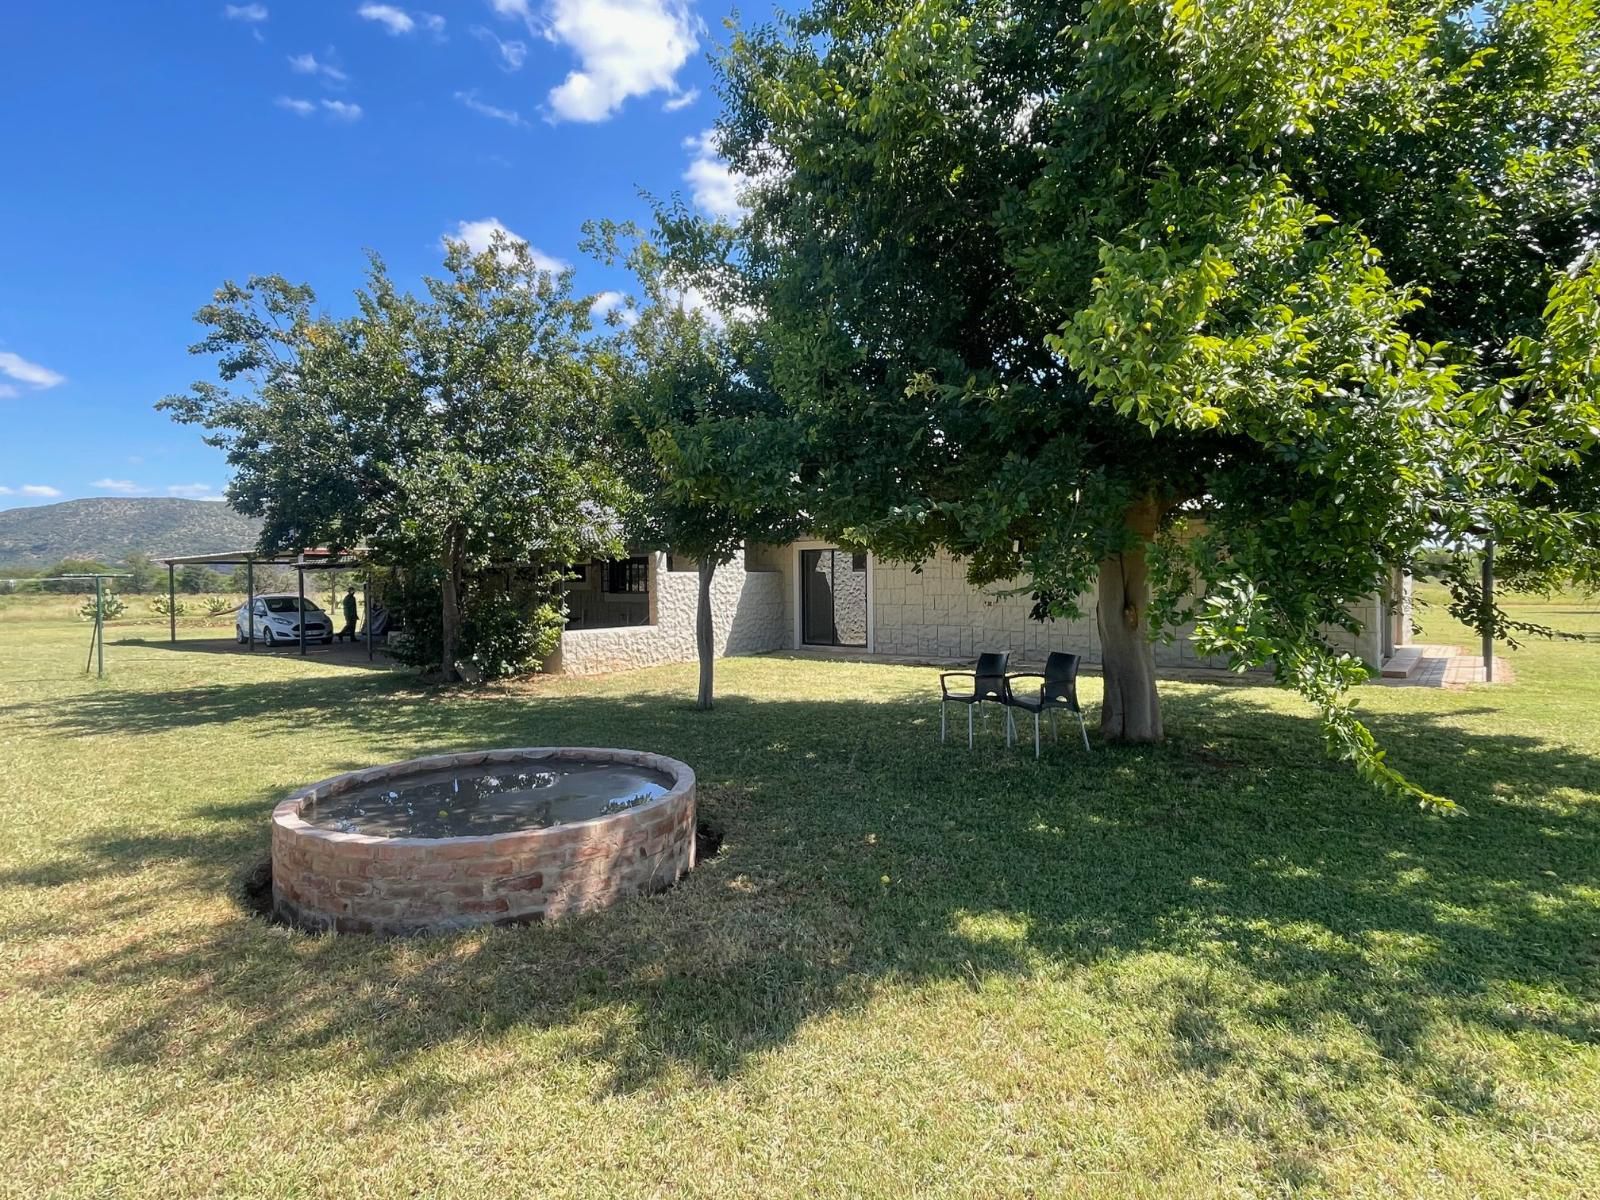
pixel 1011 728
pixel 1036 735
pixel 1083 730
pixel 944 710
pixel 1055 726
pixel 969 726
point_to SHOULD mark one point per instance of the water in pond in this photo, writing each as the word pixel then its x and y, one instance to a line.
pixel 457 803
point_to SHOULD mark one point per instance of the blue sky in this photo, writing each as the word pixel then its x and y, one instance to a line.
pixel 150 151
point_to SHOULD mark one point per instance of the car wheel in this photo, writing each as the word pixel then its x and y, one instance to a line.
pixel 238 635
pixel 270 640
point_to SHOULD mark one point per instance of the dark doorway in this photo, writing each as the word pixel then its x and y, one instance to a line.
pixel 833 598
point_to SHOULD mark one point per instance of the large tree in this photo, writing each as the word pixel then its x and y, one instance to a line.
pixel 451 432
pixel 712 451
pixel 1094 295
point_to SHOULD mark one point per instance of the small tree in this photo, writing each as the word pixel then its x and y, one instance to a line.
pixel 195 579
pixel 711 451
pixel 142 573
pixel 450 431
pixel 71 566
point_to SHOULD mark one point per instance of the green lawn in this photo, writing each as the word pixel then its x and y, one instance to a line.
pixel 1217 968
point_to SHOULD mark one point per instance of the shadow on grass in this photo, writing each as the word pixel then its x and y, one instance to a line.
pixel 344 654
pixel 862 855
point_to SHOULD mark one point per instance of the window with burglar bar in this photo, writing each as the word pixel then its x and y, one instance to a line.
pixel 628 575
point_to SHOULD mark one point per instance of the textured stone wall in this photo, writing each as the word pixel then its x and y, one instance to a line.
pixel 932 614
pixel 936 613
pixel 748 616
pixel 357 883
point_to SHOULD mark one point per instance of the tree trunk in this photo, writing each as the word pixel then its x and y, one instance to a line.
pixel 1132 710
pixel 704 634
pixel 450 608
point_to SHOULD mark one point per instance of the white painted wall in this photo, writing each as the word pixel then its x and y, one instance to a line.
pixel 747 614
pixel 936 614
pixel 932 614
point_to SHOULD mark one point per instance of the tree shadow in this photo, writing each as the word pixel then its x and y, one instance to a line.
pixel 344 654
pixel 860 855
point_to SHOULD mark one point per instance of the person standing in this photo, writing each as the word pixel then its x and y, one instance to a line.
pixel 349 630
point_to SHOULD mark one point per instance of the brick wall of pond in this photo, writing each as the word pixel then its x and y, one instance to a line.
pixel 356 883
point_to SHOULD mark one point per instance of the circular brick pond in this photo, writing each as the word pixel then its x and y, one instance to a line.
pixel 489 837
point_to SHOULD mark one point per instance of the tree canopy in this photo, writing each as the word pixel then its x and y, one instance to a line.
pixel 450 432
pixel 1261 298
pixel 711 447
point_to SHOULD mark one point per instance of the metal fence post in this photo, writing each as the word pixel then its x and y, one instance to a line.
pixel 1488 610
pixel 100 623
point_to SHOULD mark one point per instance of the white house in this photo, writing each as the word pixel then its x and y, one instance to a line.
pixel 811 595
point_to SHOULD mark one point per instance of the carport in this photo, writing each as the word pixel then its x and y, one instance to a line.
pixel 306 560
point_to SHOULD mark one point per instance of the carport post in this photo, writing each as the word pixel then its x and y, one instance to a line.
pixel 172 603
pixel 366 607
pixel 250 600
pixel 300 574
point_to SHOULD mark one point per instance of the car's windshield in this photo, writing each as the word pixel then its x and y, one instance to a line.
pixel 285 604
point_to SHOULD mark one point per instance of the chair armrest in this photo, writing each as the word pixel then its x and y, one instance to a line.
pixel 1023 675
pixel 943 690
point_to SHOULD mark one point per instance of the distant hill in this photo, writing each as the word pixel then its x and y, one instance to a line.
pixel 108 528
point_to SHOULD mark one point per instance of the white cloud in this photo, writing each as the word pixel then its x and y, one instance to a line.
pixel 513 53
pixel 38 491
pixel 607 303
pixel 508 115
pixel 395 20
pixel 123 487
pixel 337 110
pixel 193 491
pixel 692 299
pixel 683 101
pixel 513 8
pixel 624 48
pixel 251 14
pixel 16 367
pixel 714 185
pixel 478 234
pixel 398 21
pixel 309 64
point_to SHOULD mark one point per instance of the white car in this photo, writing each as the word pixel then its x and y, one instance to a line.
pixel 277 620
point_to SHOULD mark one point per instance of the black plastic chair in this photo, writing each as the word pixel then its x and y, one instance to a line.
pixel 1058 689
pixel 988 683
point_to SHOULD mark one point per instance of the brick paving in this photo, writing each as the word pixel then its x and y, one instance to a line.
pixel 1447 667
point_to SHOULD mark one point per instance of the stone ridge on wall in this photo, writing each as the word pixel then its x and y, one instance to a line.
pixel 747 613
